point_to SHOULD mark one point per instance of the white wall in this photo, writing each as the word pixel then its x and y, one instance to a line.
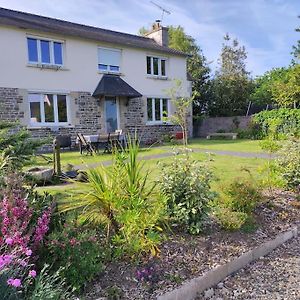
pixel 81 66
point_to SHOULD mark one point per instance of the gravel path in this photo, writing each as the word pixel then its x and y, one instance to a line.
pixel 276 276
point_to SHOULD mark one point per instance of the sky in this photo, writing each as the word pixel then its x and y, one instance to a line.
pixel 265 27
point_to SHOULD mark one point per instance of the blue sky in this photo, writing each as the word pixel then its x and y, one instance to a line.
pixel 264 27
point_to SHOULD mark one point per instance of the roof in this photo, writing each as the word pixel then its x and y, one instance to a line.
pixel 113 85
pixel 35 22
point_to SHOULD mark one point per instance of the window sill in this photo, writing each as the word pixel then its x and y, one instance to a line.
pixel 149 123
pixel 157 77
pixel 51 127
pixel 110 73
pixel 46 66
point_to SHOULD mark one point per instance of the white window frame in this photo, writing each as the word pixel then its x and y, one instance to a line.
pixel 39 51
pixel 118 112
pixel 55 110
pixel 161 121
pixel 108 66
pixel 159 66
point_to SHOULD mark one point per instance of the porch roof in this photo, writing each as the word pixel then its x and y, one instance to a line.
pixel 114 85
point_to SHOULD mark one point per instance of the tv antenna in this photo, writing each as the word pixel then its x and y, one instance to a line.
pixel 162 9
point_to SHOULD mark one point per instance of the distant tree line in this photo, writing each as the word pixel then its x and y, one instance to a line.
pixel 229 90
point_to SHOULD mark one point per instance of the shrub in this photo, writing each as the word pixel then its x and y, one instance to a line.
pixel 229 219
pixel 123 199
pixel 288 121
pixel 289 164
pixel 242 196
pixel 78 251
pixel 186 183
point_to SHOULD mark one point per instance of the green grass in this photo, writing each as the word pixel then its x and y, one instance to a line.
pixel 225 168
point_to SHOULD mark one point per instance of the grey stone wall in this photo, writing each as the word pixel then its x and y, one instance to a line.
pixel 10 101
pixel 86 117
pixel 228 124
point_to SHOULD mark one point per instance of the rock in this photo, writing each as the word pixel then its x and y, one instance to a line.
pixel 208 293
pixel 41 174
pixel 220 285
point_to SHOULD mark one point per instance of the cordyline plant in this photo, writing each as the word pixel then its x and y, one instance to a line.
pixel 122 199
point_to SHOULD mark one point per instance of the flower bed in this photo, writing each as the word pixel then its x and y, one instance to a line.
pixel 184 257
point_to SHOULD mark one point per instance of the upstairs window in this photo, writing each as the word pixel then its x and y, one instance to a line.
pixel 157 109
pixel 48 109
pixel 156 66
pixel 109 60
pixel 42 51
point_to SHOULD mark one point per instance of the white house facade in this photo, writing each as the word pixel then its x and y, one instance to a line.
pixel 58 77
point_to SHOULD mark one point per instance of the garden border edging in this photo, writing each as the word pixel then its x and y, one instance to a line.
pixel 191 289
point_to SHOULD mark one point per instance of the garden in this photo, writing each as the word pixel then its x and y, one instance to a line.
pixel 141 221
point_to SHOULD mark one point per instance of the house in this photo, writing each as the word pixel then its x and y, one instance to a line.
pixel 58 77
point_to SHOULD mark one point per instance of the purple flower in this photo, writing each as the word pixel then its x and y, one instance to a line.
pixel 14 282
pixel 28 252
pixel 9 241
pixel 32 273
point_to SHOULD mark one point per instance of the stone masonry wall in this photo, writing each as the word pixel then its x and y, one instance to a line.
pixel 87 118
pixel 211 125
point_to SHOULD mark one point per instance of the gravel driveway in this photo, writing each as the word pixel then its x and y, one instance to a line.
pixel 276 276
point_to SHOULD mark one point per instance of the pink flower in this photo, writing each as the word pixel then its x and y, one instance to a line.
pixel 28 252
pixel 9 241
pixel 32 273
pixel 14 282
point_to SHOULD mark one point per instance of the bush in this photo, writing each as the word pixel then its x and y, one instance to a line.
pixel 187 186
pixel 77 250
pixel 288 121
pixel 289 164
pixel 230 220
pixel 242 196
pixel 122 199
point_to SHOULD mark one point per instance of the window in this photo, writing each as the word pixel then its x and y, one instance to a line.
pixel 109 60
pixel 157 109
pixel 48 109
pixel 156 66
pixel 45 51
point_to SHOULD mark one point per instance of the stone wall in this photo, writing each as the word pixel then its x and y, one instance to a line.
pixel 86 117
pixel 228 124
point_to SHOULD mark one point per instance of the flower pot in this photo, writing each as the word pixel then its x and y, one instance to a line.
pixel 179 135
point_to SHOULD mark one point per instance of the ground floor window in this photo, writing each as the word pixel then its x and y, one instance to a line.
pixel 48 109
pixel 157 109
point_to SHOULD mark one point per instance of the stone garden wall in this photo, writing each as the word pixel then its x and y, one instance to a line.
pixel 228 124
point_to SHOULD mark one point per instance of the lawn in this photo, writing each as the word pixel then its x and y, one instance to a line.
pixel 76 159
pixel 225 168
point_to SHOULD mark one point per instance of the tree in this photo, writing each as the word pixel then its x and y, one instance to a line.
pixel 232 85
pixel 197 65
pixel 296 49
pixel 182 107
pixel 263 86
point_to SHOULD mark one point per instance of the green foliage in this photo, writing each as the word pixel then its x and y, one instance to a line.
pixel 16 146
pixel 280 85
pixel 231 86
pixel 235 206
pixel 49 286
pixel 197 67
pixel 187 185
pixel 229 219
pixel 242 196
pixel 289 163
pixel 78 251
pixel 287 122
pixel 123 199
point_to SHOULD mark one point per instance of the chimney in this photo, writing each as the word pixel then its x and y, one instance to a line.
pixel 159 34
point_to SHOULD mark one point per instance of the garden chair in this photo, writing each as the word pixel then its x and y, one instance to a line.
pixel 84 145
